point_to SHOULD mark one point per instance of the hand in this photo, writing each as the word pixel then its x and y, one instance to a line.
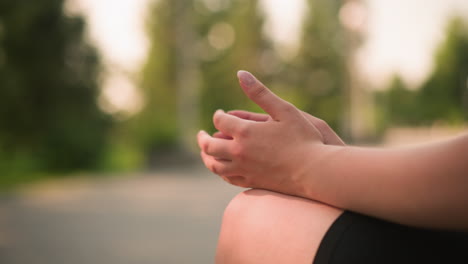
pixel 329 136
pixel 264 151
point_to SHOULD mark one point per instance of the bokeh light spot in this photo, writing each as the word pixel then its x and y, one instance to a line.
pixel 353 15
pixel 120 97
pixel 221 36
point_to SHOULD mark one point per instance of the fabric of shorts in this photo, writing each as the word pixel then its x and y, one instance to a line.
pixel 355 238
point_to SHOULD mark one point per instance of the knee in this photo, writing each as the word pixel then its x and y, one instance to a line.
pixel 250 206
pixel 246 203
pixel 261 226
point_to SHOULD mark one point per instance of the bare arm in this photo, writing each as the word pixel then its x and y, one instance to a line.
pixel 291 153
pixel 425 185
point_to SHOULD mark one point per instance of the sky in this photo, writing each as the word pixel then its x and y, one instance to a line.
pixel 401 36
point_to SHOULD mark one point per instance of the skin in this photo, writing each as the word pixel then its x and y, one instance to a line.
pixel 261 226
pixel 256 222
pixel 290 152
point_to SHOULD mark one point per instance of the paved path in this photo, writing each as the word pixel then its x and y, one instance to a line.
pixel 162 217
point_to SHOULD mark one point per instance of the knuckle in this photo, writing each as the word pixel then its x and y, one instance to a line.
pixel 238 152
pixel 205 146
pixel 322 122
pixel 244 130
pixel 322 125
pixel 216 120
pixel 259 91
pixel 289 108
pixel 220 169
pixel 213 167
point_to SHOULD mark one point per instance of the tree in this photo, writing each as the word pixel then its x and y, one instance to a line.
pixel 196 48
pixel 156 125
pixel 49 86
pixel 399 104
pixel 231 39
pixel 444 95
pixel 320 66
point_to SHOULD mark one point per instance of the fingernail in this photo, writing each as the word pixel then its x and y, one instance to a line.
pixel 220 111
pixel 246 78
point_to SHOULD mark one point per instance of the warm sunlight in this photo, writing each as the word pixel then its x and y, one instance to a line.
pixel 400 35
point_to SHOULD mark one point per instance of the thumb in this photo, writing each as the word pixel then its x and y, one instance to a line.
pixel 276 107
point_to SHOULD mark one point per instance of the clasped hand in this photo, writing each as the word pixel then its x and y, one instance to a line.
pixel 268 151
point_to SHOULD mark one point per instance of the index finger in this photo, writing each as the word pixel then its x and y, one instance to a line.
pixel 250 115
pixel 276 107
pixel 228 124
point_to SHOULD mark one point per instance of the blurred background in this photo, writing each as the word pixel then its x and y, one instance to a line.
pixel 100 102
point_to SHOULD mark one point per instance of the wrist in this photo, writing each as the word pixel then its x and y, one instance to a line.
pixel 315 178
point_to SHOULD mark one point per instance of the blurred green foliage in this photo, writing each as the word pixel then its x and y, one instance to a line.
pixel 242 22
pixel 223 37
pixel 49 82
pixel 395 105
pixel 155 127
pixel 320 67
pixel 49 119
pixel 443 97
pixel 196 49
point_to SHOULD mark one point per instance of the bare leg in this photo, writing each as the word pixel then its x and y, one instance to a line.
pixel 266 227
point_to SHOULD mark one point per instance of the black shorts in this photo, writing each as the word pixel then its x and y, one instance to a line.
pixel 355 238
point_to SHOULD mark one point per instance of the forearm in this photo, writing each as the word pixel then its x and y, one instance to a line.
pixel 289 152
pixel 423 186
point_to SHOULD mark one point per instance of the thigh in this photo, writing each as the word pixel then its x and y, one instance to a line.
pixel 260 226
